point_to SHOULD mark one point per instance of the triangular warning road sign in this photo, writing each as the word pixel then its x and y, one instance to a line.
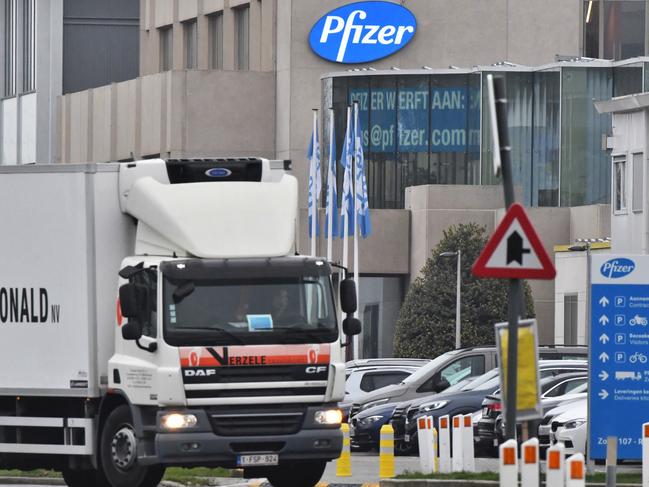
pixel 514 251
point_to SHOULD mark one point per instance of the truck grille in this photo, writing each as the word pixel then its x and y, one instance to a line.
pixel 257 424
pixel 272 392
pixel 398 413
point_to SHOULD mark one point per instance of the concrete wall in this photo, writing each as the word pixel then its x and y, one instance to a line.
pixel 175 114
pixel 28 120
pixel 592 221
pixel 163 13
pixel 384 252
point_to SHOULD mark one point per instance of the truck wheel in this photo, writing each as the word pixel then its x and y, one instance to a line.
pixel 303 474
pixel 84 478
pixel 118 451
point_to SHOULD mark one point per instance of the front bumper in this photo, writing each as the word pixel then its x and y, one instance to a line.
pixel 202 446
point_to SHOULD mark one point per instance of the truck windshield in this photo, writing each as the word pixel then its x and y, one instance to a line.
pixel 241 310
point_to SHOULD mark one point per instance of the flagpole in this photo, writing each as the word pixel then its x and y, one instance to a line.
pixel 357 274
pixel 314 188
pixel 330 188
pixel 345 211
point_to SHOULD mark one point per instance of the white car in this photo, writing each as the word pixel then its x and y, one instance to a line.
pixel 571 428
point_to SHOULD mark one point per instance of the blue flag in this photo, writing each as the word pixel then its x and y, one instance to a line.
pixel 362 201
pixel 315 179
pixel 346 160
pixel 332 206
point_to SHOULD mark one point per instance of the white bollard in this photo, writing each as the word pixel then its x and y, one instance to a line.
pixel 645 455
pixel 445 444
pixel 555 463
pixel 457 464
pixel 424 442
pixel 530 463
pixel 575 471
pixel 508 465
pixel 468 453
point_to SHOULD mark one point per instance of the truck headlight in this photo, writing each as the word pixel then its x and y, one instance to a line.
pixel 176 421
pixel 329 416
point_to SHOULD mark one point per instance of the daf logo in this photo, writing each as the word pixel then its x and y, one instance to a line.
pixel 319 369
pixel 218 172
pixel 363 31
pixel 616 268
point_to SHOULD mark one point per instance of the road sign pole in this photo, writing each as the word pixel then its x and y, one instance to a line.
pixel 515 287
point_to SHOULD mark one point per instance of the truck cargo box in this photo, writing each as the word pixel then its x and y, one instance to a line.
pixel 63 238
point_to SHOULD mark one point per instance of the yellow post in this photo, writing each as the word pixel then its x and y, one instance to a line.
pixel 344 462
pixel 386 449
pixel 434 450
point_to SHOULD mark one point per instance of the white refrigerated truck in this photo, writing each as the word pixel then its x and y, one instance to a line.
pixel 155 313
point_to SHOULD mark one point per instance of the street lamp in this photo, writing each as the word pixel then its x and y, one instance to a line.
pixel 458 295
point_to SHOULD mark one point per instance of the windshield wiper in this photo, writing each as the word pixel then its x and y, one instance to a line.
pixel 192 330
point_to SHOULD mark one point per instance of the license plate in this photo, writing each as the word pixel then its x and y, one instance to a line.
pixel 255 460
pixel 495 442
pixel 406 438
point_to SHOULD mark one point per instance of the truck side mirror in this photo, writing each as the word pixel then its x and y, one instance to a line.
pixel 131 330
pixel 130 300
pixel 348 296
pixel 351 326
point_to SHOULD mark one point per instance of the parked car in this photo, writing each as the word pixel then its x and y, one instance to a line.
pixel 571 427
pixel 365 427
pixel 464 400
pixel 558 378
pixel 447 370
pixel 363 380
pixel 545 428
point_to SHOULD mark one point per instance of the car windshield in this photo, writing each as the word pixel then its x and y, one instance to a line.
pixel 251 307
pixel 429 368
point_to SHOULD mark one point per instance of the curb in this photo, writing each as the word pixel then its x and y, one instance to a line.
pixel 32 481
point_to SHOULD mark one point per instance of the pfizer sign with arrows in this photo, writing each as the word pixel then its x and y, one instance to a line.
pixel 362 32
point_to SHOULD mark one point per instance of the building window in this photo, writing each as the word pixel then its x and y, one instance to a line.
pixel 242 37
pixel 190 35
pixel 166 48
pixel 619 183
pixel 591 28
pixel 9 48
pixel 216 40
pixel 570 319
pixel 29 43
pixel 624 29
pixel 638 181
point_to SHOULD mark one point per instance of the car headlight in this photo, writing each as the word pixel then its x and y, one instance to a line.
pixel 570 425
pixel 369 420
pixel 329 416
pixel 434 406
pixel 374 403
pixel 176 421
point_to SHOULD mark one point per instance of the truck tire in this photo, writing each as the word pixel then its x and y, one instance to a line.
pixel 84 478
pixel 303 474
pixel 118 452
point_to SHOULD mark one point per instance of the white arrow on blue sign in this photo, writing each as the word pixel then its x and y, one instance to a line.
pixel 604 320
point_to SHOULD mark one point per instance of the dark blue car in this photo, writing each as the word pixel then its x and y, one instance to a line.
pixel 365 427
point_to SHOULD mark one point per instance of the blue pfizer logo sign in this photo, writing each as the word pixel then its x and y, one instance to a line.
pixel 362 32
pixel 616 268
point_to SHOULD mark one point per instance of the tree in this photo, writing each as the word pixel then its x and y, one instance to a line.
pixel 426 324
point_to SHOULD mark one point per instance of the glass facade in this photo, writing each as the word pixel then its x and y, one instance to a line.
pixel 432 127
